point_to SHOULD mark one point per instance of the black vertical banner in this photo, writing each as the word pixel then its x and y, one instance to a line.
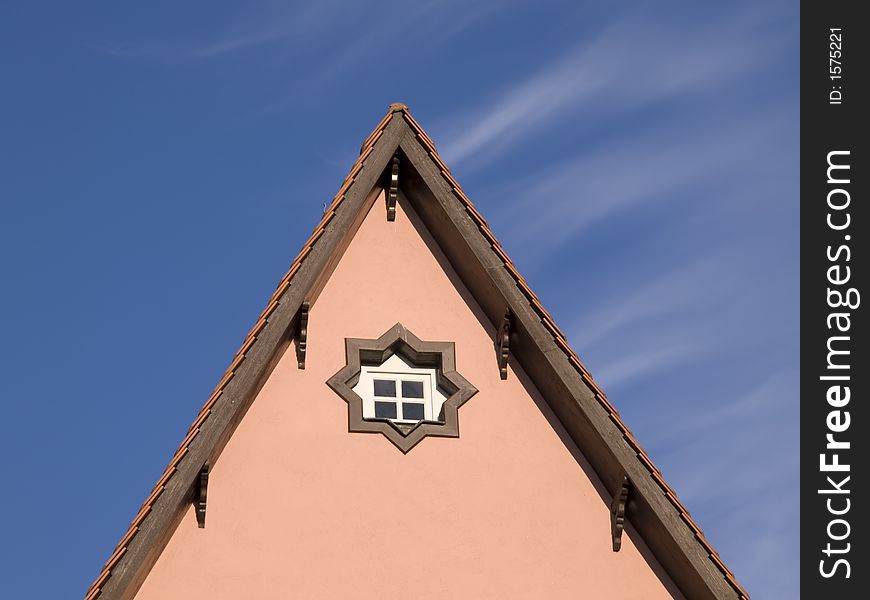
pixel 835 374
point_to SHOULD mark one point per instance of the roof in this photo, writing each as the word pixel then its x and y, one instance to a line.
pixel 581 406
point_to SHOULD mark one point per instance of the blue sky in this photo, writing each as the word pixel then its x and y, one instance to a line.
pixel 162 164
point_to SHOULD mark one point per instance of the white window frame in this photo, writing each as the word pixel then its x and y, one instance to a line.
pixel 398 399
pixel 396 369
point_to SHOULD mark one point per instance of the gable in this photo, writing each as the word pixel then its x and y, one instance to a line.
pixel 535 343
pixel 297 505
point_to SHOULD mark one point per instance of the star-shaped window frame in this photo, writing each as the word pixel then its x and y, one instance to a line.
pixel 440 356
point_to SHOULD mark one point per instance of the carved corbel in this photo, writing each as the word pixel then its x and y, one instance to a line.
pixel 503 343
pixel 302 334
pixel 393 193
pixel 200 496
pixel 617 512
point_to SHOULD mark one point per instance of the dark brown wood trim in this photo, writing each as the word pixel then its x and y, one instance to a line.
pixel 302 334
pixel 503 344
pixel 200 500
pixel 393 193
pixel 398 340
pixel 617 514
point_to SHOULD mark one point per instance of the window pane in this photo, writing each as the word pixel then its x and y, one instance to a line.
pixel 412 389
pixel 411 411
pixel 385 388
pixel 385 410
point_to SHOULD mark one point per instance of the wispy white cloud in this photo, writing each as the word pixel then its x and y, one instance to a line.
pixel 647 167
pixel 704 320
pixel 313 27
pixel 762 401
pixel 629 367
pixel 606 74
pixel 661 297
pixel 258 25
pixel 237 41
pixel 437 20
pixel 660 323
pixel 749 441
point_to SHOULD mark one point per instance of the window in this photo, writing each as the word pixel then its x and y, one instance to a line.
pixel 400 392
pixel 401 397
pixel 402 387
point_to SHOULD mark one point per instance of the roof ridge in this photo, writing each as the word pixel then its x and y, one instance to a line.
pixel 546 319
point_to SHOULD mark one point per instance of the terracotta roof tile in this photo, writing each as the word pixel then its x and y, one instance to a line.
pixel 357 167
pixel 282 287
pixel 535 303
pixel 419 130
pixel 305 250
pixel 179 454
pixel 129 535
pixel 237 360
pixel 645 459
pixel 252 338
pixel 155 493
pixel 289 275
pixel 377 131
pixel 95 589
pixel 166 475
pixel 225 379
pixel 692 525
pixel 212 399
pixel 116 556
pixel 607 405
pixel 200 418
pixel 189 437
pixel 104 576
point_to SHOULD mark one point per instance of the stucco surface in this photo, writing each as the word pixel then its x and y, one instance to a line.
pixel 300 508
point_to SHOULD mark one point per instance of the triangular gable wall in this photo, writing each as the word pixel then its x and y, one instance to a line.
pixel 536 343
pixel 298 507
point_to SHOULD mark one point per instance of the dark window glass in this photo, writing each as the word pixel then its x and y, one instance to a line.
pixel 385 388
pixel 412 411
pixel 385 410
pixel 412 389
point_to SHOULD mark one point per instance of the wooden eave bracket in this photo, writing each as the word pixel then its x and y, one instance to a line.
pixel 302 334
pixel 200 494
pixel 503 343
pixel 393 192
pixel 617 512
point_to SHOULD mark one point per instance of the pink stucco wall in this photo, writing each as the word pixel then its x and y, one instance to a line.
pixel 300 508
